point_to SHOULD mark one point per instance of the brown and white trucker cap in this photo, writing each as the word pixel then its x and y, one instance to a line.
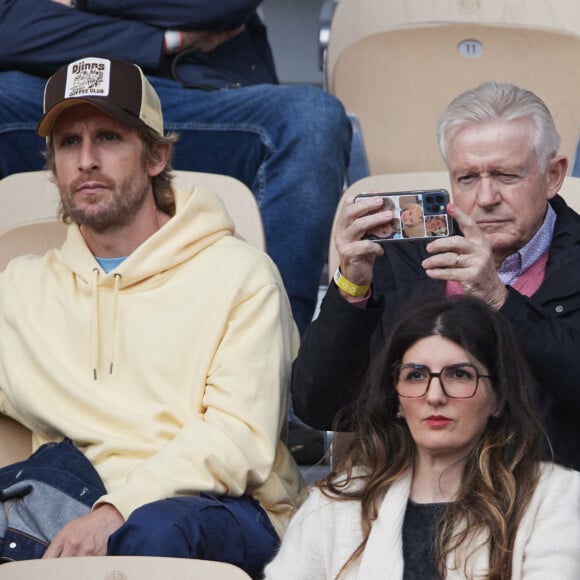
pixel 118 88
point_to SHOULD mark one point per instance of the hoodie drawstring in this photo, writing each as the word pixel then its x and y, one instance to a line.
pixel 115 309
pixel 95 322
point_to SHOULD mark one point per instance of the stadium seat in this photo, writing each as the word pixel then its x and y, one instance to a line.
pixel 397 74
pixel 120 568
pixel 15 441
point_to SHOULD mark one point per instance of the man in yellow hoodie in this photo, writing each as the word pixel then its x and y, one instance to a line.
pixel 154 339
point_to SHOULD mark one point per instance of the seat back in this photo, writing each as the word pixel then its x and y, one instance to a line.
pixel 29 207
pixel 28 215
pixel 398 82
pixel 121 568
pixel 238 199
pixel 354 19
pixel 571 192
pixel 15 441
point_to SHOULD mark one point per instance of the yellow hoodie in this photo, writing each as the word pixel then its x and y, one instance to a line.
pixel 170 372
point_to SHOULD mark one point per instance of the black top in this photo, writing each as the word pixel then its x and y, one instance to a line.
pixel 419 528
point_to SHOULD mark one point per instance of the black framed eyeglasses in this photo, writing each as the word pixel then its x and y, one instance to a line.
pixel 458 381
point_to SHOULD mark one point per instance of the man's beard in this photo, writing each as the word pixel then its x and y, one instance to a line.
pixel 126 200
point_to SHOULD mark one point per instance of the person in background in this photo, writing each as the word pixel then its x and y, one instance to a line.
pixel 445 477
pixel 212 66
pixel 519 251
pixel 155 341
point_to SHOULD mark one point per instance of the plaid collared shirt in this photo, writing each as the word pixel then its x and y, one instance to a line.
pixel 516 264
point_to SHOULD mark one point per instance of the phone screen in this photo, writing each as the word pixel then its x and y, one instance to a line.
pixel 417 214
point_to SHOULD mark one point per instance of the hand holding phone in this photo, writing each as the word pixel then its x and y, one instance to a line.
pixel 420 214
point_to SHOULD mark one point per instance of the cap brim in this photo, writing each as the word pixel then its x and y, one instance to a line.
pixel 47 122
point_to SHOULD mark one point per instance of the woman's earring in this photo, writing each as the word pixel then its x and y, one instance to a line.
pixel 399 415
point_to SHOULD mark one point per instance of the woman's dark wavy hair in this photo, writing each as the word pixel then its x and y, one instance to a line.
pixel 502 470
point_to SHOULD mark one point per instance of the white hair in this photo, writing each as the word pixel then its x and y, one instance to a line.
pixel 501 101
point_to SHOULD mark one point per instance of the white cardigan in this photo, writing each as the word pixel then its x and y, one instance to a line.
pixel 325 532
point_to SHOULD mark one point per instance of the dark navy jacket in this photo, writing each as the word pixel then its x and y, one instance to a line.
pixel 40 495
pixel 40 36
pixel 337 346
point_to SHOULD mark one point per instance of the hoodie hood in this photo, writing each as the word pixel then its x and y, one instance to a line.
pixel 199 221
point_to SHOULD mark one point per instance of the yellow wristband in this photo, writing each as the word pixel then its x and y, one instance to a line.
pixel 349 287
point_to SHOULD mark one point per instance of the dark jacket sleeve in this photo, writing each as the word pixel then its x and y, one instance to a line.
pixel 333 358
pixel 551 338
pixel 337 347
pixel 179 14
pixel 39 36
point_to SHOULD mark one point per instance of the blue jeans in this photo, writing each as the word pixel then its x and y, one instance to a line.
pixel 288 144
pixel 225 529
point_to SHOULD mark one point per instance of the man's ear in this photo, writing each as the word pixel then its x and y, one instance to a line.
pixel 555 174
pixel 158 158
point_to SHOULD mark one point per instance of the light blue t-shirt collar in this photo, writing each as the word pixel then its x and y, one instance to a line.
pixel 108 264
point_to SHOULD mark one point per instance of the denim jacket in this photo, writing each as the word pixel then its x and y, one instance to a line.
pixel 40 495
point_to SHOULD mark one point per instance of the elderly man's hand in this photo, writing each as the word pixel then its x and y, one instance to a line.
pixel 357 255
pixel 468 260
pixel 86 536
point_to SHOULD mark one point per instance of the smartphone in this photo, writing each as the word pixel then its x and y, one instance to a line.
pixel 420 214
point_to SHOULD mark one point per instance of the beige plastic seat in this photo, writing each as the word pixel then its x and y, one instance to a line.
pixel 396 66
pixel 353 19
pixel 15 442
pixel 29 225
pixel 238 199
pixel 120 568
pixel 28 215
pixel 29 206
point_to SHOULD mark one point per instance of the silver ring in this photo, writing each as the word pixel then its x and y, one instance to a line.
pixel 457 260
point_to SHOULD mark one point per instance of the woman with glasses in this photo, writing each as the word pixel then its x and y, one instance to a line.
pixel 446 476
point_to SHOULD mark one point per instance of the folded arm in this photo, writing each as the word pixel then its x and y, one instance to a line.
pixel 39 36
pixel 180 14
